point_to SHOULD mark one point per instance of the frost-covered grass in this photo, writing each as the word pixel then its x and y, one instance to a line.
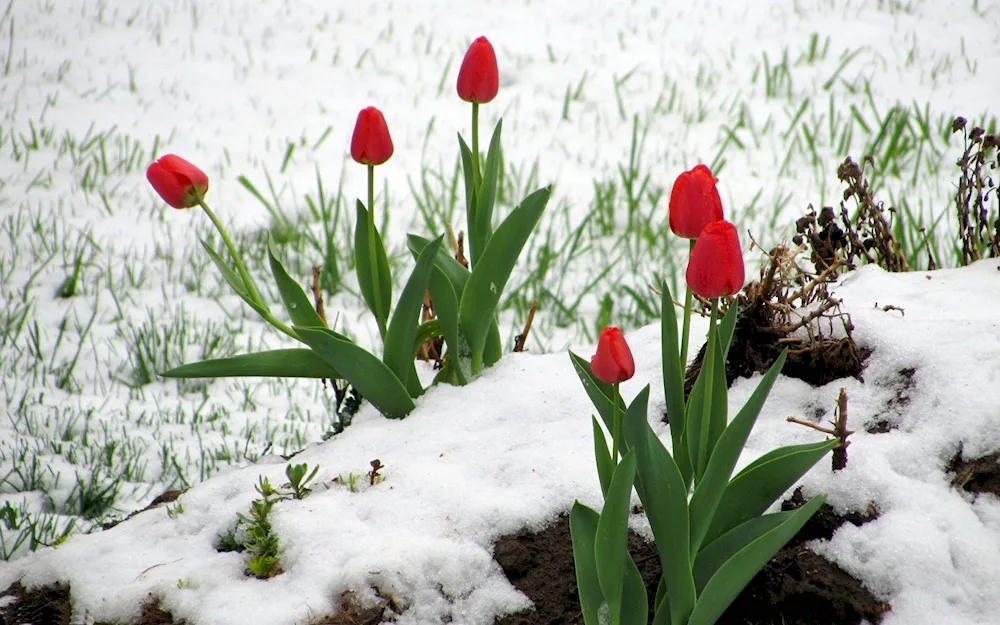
pixel 102 286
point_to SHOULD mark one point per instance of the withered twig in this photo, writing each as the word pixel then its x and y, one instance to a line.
pixel 460 250
pixel 522 338
pixel 839 431
pixel 318 295
pixel 373 474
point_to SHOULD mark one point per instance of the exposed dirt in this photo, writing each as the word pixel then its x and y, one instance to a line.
pixel 45 605
pixel 977 476
pixel 888 419
pixel 798 587
pixel 353 613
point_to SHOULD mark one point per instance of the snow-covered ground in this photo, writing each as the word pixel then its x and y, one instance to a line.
pixel 773 94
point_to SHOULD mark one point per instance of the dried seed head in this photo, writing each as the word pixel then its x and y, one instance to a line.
pixel 958 124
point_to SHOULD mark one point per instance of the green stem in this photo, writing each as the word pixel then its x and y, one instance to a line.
pixel 376 291
pixel 708 365
pixel 245 275
pixel 686 332
pixel 477 180
pixel 616 420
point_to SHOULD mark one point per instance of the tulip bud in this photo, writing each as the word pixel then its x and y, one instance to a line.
pixel 694 202
pixel 178 182
pixel 371 143
pixel 613 361
pixel 479 78
pixel 716 264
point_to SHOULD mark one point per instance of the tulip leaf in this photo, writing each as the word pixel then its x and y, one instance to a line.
pixel 278 363
pixel 761 483
pixel 366 373
pixel 375 289
pixel 673 381
pixel 605 465
pixel 727 451
pixel 300 309
pixel 446 309
pixel 402 331
pixel 477 308
pixel 583 531
pixel 602 394
pixel 715 554
pixel 611 541
pixel 719 410
pixel 493 350
pixel 451 268
pixel 727 327
pixel 736 572
pixel 635 602
pixel 427 331
pixel 486 196
pixel 664 497
pixel 235 281
pixel 470 195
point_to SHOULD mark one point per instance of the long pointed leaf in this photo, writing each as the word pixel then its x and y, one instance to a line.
pixel 726 546
pixel 279 363
pixel 605 465
pixel 673 381
pixel 755 488
pixel 402 331
pixel 446 309
pixel 733 576
pixel 602 395
pixel 611 542
pixel 470 196
pixel 363 265
pixel 487 194
pixel 727 451
pixel 235 281
pixel 583 531
pixel 664 497
pixel 486 283
pixel 635 602
pixel 366 373
pixel 300 309
pixel 451 268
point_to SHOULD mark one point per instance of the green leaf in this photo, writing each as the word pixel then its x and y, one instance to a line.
pixel 235 281
pixel 493 350
pixel 726 546
pixel 402 332
pixel 446 309
pixel 611 541
pixel 727 451
pixel 601 394
pixel 719 410
pixel 726 328
pixel 673 381
pixel 733 576
pixel 363 265
pixel 366 373
pixel 605 465
pixel 278 363
pixel 635 602
pixel 583 530
pixel 704 418
pixel 486 197
pixel 761 483
pixel 477 308
pixel 300 309
pixel 470 190
pixel 664 497
pixel 427 331
pixel 451 268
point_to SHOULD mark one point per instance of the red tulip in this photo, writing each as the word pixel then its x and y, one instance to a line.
pixel 178 182
pixel 716 264
pixel 613 361
pixel 371 143
pixel 694 202
pixel 479 78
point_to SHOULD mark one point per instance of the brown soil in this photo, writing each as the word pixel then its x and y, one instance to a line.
pixel 51 605
pixel 798 587
pixel 888 419
pixel 981 475
pixel 353 613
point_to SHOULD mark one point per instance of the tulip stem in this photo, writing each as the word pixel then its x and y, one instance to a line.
pixel 372 253
pixel 476 176
pixel 616 425
pixel 686 332
pixel 252 293
pixel 709 365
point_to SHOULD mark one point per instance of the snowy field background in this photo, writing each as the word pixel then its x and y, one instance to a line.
pixel 773 95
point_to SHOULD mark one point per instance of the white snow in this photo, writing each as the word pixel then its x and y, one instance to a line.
pixel 229 84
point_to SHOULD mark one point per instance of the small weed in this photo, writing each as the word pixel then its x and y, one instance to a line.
pixel 297 479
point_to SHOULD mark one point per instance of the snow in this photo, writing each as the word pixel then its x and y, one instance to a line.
pixel 229 84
